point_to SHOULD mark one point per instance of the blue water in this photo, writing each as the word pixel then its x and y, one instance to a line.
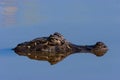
pixel 80 21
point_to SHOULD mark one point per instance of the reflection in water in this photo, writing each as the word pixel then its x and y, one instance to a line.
pixel 8 9
pixel 52 58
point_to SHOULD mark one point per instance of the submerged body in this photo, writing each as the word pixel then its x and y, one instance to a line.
pixel 56 44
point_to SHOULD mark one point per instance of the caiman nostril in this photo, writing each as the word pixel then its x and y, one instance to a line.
pixel 99 49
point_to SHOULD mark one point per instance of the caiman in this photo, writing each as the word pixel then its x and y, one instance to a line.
pixel 55 47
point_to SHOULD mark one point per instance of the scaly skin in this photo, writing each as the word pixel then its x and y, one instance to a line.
pixel 56 45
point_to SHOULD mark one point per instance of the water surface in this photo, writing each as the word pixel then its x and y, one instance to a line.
pixel 80 21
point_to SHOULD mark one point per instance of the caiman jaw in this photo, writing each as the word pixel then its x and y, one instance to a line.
pixel 99 49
